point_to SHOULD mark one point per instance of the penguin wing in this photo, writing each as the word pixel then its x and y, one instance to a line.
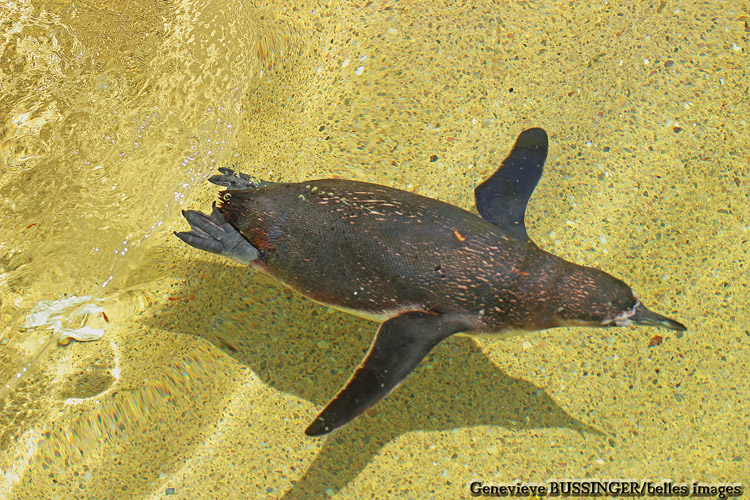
pixel 502 198
pixel 400 344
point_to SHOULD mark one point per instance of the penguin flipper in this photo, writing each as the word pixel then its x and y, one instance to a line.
pixel 400 344
pixel 212 233
pixel 502 198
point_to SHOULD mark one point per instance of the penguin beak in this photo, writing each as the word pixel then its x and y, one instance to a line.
pixel 645 317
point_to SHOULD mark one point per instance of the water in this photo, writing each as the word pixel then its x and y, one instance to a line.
pixel 110 116
pixel 113 115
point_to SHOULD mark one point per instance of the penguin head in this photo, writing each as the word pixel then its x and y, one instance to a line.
pixel 640 315
pixel 592 297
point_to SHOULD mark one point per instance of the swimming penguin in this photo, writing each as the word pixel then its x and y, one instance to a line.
pixel 423 268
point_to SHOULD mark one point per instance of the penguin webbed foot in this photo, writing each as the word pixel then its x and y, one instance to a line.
pixel 236 181
pixel 212 233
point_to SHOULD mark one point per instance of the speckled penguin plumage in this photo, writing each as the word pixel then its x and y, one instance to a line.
pixel 424 268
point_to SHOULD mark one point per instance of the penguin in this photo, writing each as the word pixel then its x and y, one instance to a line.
pixel 421 267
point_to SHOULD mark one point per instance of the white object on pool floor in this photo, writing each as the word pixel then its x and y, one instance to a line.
pixel 73 311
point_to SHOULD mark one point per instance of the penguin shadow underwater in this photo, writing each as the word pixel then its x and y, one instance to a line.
pixel 258 324
pixel 426 269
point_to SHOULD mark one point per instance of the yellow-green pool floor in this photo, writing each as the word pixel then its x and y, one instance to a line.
pixel 206 393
